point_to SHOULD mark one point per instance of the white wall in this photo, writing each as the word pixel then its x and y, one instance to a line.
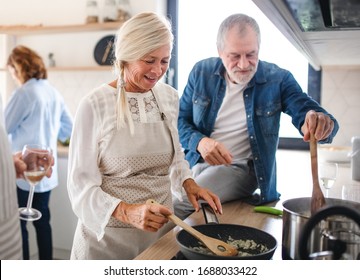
pixel 340 95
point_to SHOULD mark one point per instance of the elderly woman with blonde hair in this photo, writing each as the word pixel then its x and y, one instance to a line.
pixel 125 150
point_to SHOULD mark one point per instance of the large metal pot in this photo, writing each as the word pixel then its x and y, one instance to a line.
pixel 296 215
pixel 340 239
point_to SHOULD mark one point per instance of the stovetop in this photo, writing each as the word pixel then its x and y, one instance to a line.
pixel 179 256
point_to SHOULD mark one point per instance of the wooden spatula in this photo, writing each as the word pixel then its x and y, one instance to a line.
pixel 218 247
pixel 317 198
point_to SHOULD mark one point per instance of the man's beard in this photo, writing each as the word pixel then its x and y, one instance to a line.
pixel 242 79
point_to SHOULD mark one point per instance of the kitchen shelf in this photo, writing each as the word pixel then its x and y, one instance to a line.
pixel 24 30
pixel 81 68
pixel 75 68
pixel 30 30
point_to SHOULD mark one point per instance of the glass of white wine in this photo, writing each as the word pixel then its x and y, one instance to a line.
pixel 38 159
pixel 327 173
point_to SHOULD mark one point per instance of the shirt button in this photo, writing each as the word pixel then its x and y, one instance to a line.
pixel 195 101
pixel 246 95
pixel 268 113
pixel 248 116
pixel 256 158
pixel 251 137
pixel 261 178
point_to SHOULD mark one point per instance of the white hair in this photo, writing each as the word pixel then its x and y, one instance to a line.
pixel 137 37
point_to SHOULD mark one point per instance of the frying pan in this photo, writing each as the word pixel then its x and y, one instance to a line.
pixel 187 242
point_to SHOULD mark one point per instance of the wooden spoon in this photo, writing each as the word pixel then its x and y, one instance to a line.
pixel 317 198
pixel 218 247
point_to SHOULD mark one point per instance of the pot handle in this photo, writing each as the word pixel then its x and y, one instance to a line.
pixel 209 214
pixel 339 247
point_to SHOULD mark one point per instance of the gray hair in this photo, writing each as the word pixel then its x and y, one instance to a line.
pixel 241 21
pixel 137 37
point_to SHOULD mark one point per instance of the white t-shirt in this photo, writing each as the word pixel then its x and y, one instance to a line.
pixel 230 126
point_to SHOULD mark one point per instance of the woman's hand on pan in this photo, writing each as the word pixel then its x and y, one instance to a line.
pixel 148 217
pixel 195 193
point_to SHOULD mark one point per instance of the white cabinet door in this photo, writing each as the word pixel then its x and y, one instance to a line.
pixel 63 219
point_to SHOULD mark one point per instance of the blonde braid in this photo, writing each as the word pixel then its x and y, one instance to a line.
pixel 122 103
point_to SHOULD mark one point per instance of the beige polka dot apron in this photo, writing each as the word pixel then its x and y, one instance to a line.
pixel 135 168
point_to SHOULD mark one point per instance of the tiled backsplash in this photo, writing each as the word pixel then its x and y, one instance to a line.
pixel 340 95
pixel 74 85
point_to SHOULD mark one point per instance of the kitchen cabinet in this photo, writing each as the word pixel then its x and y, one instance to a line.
pixel 304 25
pixel 63 220
pixel 24 34
pixel 19 30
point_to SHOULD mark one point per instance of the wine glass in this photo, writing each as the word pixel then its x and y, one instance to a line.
pixel 38 159
pixel 327 174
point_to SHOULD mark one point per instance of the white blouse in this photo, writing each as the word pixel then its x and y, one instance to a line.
pixel 95 121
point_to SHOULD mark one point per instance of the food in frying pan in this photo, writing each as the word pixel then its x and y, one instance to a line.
pixel 245 248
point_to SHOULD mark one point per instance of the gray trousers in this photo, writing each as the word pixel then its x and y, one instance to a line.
pixel 229 182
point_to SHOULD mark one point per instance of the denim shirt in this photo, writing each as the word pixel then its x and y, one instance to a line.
pixel 271 91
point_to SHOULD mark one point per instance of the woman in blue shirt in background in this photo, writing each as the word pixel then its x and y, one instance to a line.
pixel 35 114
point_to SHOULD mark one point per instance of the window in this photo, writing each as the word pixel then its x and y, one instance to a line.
pixel 196 31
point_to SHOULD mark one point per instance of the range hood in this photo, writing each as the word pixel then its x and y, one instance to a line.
pixel 325 15
pixel 327 32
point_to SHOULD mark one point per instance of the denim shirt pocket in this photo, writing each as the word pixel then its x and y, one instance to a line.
pixel 269 118
pixel 200 104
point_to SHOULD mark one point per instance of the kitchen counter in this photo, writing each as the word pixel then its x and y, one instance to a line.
pixel 235 212
pixel 290 185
